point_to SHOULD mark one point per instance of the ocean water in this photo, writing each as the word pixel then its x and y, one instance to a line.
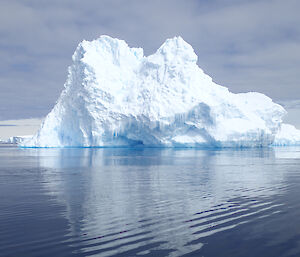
pixel 149 202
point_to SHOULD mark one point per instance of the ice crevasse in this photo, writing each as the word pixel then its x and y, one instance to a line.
pixel 115 96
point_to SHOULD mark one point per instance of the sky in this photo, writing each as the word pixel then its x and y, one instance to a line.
pixel 245 45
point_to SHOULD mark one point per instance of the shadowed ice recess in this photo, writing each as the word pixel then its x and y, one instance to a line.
pixel 116 96
pixel 148 202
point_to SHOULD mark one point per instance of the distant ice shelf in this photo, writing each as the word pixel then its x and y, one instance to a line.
pixel 16 139
pixel 115 96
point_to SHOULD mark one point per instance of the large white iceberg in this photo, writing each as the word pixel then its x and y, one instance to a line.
pixel 116 96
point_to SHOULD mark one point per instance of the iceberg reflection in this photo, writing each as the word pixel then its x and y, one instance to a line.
pixel 139 201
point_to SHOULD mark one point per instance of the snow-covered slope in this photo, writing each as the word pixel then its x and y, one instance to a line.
pixel 115 96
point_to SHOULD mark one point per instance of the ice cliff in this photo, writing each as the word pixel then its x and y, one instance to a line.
pixel 287 135
pixel 116 96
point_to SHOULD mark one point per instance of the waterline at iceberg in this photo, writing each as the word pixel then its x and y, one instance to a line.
pixel 115 96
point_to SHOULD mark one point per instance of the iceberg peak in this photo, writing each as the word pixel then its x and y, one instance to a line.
pixel 175 49
pixel 116 96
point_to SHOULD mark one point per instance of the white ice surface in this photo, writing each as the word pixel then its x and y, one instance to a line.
pixel 17 139
pixel 287 135
pixel 115 96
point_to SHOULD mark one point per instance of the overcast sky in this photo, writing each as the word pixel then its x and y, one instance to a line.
pixel 244 45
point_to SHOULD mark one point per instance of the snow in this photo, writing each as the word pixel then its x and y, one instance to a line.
pixel 17 139
pixel 288 135
pixel 116 96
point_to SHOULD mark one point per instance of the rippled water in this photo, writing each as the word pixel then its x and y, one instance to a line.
pixel 149 202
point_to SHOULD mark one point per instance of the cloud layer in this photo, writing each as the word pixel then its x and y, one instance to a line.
pixel 244 45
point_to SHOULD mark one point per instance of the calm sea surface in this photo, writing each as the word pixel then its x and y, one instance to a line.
pixel 149 202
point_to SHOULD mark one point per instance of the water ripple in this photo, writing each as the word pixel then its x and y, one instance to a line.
pixel 106 204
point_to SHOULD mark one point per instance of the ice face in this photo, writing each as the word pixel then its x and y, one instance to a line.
pixel 287 135
pixel 115 96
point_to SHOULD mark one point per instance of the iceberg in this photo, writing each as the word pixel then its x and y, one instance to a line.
pixel 17 139
pixel 115 96
pixel 287 135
